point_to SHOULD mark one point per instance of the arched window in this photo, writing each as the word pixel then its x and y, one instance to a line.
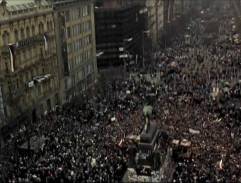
pixel 51 25
pixel 33 30
pixel 22 34
pixel 27 32
pixel 16 36
pixel 41 28
pixel 5 38
pixel 48 26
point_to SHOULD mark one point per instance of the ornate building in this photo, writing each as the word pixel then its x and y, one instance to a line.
pixel 29 70
pixel 75 45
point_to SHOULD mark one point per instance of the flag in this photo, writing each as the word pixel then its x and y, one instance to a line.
pixel 12 52
pixel 45 42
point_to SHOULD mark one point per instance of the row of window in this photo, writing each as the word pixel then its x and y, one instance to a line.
pixel 32 53
pixel 77 13
pixel 27 32
pixel 77 60
pixel 79 76
pixel 39 91
pixel 89 69
pixel 77 29
pixel 78 44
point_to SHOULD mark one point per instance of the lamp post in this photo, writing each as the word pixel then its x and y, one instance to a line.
pixel 143 47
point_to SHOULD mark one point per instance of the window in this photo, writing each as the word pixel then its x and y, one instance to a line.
pixel 27 54
pixel 68 32
pixel 80 29
pixel 16 37
pixel 80 42
pixel 22 33
pixel 80 12
pixel 84 27
pixel 48 26
pixel 35 72
pixel 51 25
pixel 89 26
pixel 88 10
pixel 28 32
pixel 33 52
pixel 71 15
pixel 24 55
pixel 85 11
pixel 33 30
pixel 69 47
pixel 5 38
pixel 41 52
pixel 72 31
pixel 67 17
pixel 41 28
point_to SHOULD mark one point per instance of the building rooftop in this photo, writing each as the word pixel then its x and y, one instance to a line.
pixel 18 2
pixel 19 5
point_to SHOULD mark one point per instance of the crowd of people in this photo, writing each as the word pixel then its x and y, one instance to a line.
pixel 197 99
pixel 201 101
pixel 83 139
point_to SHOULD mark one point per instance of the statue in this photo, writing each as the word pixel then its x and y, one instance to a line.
pixel 147 125
pixel 147 111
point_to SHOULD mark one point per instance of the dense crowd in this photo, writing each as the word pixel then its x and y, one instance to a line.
pixel 201 102
pixel 197 99
pixel 83 139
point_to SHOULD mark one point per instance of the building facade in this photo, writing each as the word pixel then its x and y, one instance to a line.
pixel 118 32
pixel 29 77
pixel 155 20
pixel 76 47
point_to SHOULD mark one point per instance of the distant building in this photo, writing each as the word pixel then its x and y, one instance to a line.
pixel 155 19
pixel 29 77
pixel 119 27
pixel 75 45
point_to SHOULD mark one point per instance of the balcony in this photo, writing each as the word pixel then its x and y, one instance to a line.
pixel 35 40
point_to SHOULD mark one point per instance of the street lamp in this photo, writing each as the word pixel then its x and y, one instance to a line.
pixel 143 47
